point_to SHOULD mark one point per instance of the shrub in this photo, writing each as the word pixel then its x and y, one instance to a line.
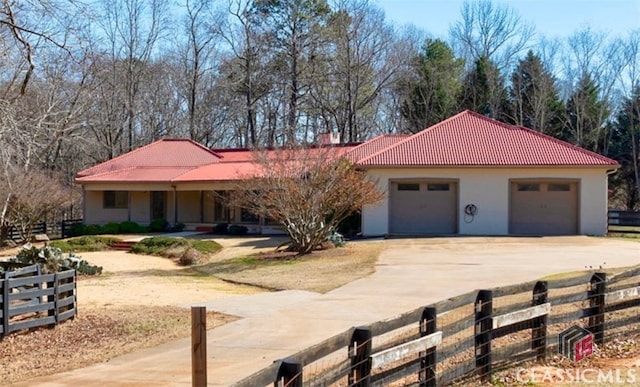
pixel 92 229
pixel 158 225
pixel 235 229
pixel 190 256
pixel 157 245
pixel 337 239
pixel 177 227
pixel 128 227
pixel 52 260
pixel 221 228
pixel 205 246
pixel 77 229
pixel 110 228
pixel 84 243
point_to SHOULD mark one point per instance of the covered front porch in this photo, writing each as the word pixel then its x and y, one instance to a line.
pixel 199 208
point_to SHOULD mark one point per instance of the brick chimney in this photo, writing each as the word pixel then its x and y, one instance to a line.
pixel 329 138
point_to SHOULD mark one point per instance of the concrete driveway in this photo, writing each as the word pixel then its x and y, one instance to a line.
pixel 410 273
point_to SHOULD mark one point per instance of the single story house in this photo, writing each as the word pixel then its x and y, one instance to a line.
pixel 468 175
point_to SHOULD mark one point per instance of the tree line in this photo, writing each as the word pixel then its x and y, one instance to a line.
pixel 82 82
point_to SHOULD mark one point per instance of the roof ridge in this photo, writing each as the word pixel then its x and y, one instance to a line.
pixel 411 136
pixel 487 121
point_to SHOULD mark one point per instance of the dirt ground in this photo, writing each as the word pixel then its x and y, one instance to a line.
pixel 139 301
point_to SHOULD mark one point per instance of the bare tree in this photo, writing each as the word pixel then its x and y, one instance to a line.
pixel 591 60
pixel 32 196
pixel 246 69
pixel 491 31
pixel 132 29
pixel 307 190
pixel 359 61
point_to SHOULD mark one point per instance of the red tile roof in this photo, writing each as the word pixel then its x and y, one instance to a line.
pixel 470 139
pixel 375 145
pixel 466 139
pixel 171 153
pixel 136 175
pixel 220 172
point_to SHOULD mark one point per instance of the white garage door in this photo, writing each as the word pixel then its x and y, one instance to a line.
pixel 544 208
pixel 423 207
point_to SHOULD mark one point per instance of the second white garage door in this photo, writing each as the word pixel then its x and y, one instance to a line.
pixel 423 207
pixel 544 208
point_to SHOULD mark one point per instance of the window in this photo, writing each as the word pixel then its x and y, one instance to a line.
pixel 409 187
pixel 438 187
pixel 528 187
pixel 248 217
pixel 116 199
pixel 564 187
pixel 221 212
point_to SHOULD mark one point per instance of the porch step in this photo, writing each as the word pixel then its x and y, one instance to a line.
pixel 122 245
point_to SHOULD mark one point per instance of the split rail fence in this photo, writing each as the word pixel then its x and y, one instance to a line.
pixel 623 222
pixel 469 336
pixel 29 299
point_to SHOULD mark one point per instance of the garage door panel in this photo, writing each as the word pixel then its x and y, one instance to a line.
pixel 544 208
pixel 423 208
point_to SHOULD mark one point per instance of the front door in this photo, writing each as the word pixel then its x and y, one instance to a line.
pixel 158 205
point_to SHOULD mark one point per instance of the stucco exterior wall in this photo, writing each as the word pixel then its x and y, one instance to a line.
pixel 140 206
pixel 488 189
pixel 95 213
pixel 189 206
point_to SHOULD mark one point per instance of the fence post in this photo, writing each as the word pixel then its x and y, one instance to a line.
pixel 597 306
pixel 198 346
pixel 360 354
pixel 539 329
pixel 289 374
pixel 5 308
pixel 483 326
pixel 428 358
pixel 53 298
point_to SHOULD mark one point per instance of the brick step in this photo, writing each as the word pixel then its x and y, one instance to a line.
pixel 122 245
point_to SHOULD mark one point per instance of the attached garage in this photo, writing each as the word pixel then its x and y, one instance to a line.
pixel 544 208
pixel 423 207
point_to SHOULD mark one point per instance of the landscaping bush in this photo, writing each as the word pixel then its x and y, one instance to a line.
pixel 235 229
pixel 177 227
pixel 157 245
pixel 221 229
pixel 128 227
pixel 92 229
pixel 173 247
pixel 77 229
pixel 84 243
pixel 190 257
pixel 52 260
pixel 205 246
pixel 110 228
pixel 337 239
pixel 158 225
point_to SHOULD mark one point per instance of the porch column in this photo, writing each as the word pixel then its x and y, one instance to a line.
pixel 175 205
pixel 201 207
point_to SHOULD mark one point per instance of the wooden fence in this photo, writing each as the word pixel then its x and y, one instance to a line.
pixel 469 336
pixel 29 299
pixel 61 229
pixel 623 221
